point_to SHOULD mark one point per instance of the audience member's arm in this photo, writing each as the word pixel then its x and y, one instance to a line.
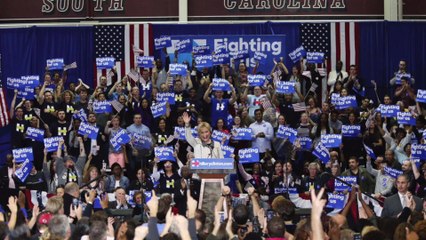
pixel 33 219
pixel 188 133
pixel 317 207
pixel 370 168
pixel 243 172
pixel 367 209
pixel 192 208
pixel 12 104
pixel 13 207
pixel 206 96
pixel 233 95
pixel 415 169
pixel 352 198
pixel 152 222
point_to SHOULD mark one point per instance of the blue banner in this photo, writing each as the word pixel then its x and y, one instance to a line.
pixel 340 187
pixel 351 131
pixel 331 140
pixel 55 64
pixel 336 201
pixel 184 45
pixel 240 55
pixel 164 153
pixel 212 163
pixel 203 61
pixel 218 136
pixel 166 97
pixel 321 153
pixel 80 114
pixel 141 141
pixel 24 171
pixel 399 76
pixel 145 61
pixel 346 102
pixel 201 50
pixel 51 144
pixel 120 138
pixel 220 84
pixel 88 130
pixel 287 132
pixel 180 132
pixel 370 152
pixel 297 54
pixel 221 58
pixel 285 87
pixel 260 57
pixel 14 83
pixel 227 151
pixel 421 96
pixel 289 190
pixel 305 143
pixel 389 110
pixel 418 151
pixel 177 69
pixel 159 109
pixel 315 57
pixel 22 154
pixel 102 107
pixel 248 155
pixel 239 134
pixel 162 42
pixel 392 172
pixel 27 93
pixel 31 81
pixel 105 63
pixel 256 80
pixel 35 134
pixel 220 49
pixel 406 118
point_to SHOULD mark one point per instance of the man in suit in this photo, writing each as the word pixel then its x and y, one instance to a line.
pixel 396 203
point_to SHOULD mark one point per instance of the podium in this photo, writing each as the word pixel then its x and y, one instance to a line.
pixel 211 172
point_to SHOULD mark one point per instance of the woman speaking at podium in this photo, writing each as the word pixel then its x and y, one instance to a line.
pixel 204 146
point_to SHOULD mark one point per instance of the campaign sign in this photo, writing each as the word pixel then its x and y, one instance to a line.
pixel 336 201
pixel 282 190
pixel 424 134
pixel 120 138
pixel 162 42
pixel 145 61
pixel 212 163
pixel 227 150
pixel 256 80
pixel 305 143
pixel 220 49
pixel 164 153
pixel 421 96
pixel 218 136
pixel 389 110
pixel 180 132
pixel 322 153
pixel 418 151
pixel 287 132
pixel 240 55
pixel 14 83
pixel 159 109
pixel 184 45
pixel 35 134
pixel 141 141
pixel 221 58
pixel 80 114
pixel 242 134
pixel 166 97
pixel 334 98
pixel 416 161
pixel 203 61
pixel 201 50
pixel 51 144
pixel 105 62
pixel 340 187
pixel 220 84
pixel 55 64
pixel 22 154
pixel 24 171
pixel 392 172
pixel 27 93
pixel 31 81
pixel 406 118
pixel 102 107
pixel 331 140
pixel 399 76
pixel 370 152
pixel 351 131
pixel 297 54
pixel 346 102
pixel 177 69
pixel 88 130
pixel 285 87
pixel 248 155
pixel 260 57
pixel 315 57
pixel 148 195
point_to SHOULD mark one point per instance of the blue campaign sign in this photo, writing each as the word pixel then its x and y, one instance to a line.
pixel 162 42
pixel 177 69
pixel 221 58
pixel 389 110
pixel 51 144
pixel 305 143
pixel 141 141
pixel 287 132
pixel 159 109
pixel 55 64
pixel 220 49
pixel 180 132
pixel 31 81
pixel 105 62
pixel 406 118
pixel 242 134
pixel 166 97
pixel 392 172
pixel 351 131
pixel 80 114
pixel 248 155
pixel 148 195
pixel 297 54
pixel 315 57
pixel 220 84
pixel 164 153
pixel 24 171
pixel 145 61
pixel 212 163
pixel 240 55
pixel 322 153
pixel 418 151
pixel 260 57
pixel 218 136
pixel 256 80
pixel 88 130
pixel 14 83
pixel 370 151
pixel 399 76
pixel 227 150
pixel 340 187
pixel 346 102
pixel 281 190
pixel 201 50
pixel 331 140
pixel 285 87
pixel 203 61
pixel 421 96
pixel 35 134
pixel 120 138
pixel 336 201
pixel 22 154
pixel 424 134
pixel 102 107
pixel 184 45
pixel 334 98
pixel 417 161
pixel 27 93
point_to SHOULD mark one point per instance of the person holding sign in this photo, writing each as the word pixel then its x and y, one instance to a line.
pixel 402 70
pixel 405 93
pixel 364 179
pixel 336 75
pixel 263 133
pixel 204 146
pixel 219 105
pixel 115 155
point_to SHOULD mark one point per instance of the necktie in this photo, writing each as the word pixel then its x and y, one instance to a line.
pixel 404 201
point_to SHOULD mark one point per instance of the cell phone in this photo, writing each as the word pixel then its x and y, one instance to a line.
pixel 75 202
pixel 222 216
pixel 357 236
pixel 270 214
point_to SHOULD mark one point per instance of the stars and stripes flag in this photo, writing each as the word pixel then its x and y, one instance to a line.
pixel 4 113
pixel 124 43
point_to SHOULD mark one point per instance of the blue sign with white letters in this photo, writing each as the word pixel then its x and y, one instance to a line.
pixel 203 61
pixel 166 97
pixel 331 140
pixel 336 201
pixel 35 134
pixel 180 131
pixel 297 54
pixel 159 109
pixel 51 144
pixel 285 87
pixel 248 155
pixel 240 55
pixel 80 114
pixel 14 83
pixel 346 102
pixel 177 69
pixel 305 143
pixel 370 151
pixel 418 151
pixel 145 61
pixel 392 172
pixel 260 57
pixel 88 130
pixel 220 84
pixel 24 171
pixel 105 62
pixel 102 107
pixel 322 153
pixel 141 141
pixel 287 132
pixel 406 118
pixel 351 131
pixel 389 110
pixel 221 58
pixel 399 76
pixel 31 81
pixel 184 45
pixel 340 186
pixel 242 134
pixel 164 153
pixel 212 163
pixel 22 154
pixel 421 96
pixel 227 150
pixel 218 136
pixel 256 80
pixel 120 138
pixel 55 64
pixel 27 93
pixel 201 50
pixel 162 42
pixel 315 57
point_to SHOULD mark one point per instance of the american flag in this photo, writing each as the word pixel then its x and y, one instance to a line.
pixel 4 113
pixel 119 41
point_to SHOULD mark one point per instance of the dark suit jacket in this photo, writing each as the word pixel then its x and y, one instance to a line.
pixel 393 207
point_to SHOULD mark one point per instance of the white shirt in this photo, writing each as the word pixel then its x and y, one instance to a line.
pixel 262 143
pixel 333 76
pixel 401 198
